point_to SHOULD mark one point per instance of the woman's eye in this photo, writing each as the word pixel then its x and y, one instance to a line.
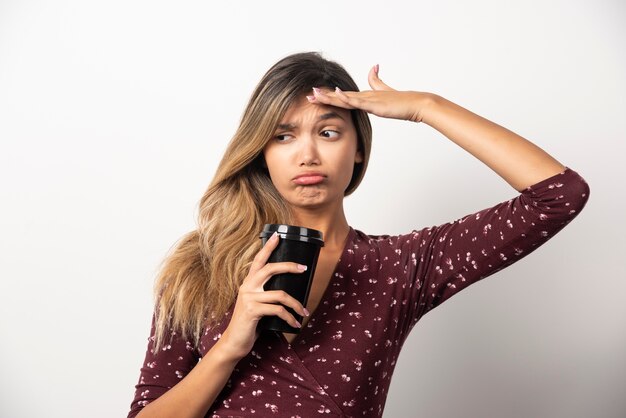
pixel 282 137
pixel 329 134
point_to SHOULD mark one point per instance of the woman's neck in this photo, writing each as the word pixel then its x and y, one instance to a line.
pixel 334 228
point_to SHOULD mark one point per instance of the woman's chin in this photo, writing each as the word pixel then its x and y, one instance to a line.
pixel 310 199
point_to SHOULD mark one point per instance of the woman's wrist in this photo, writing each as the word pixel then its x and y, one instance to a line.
pixel 225 353
pixel 424 104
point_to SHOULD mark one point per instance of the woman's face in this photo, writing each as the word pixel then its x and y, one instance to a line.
pixel 313 138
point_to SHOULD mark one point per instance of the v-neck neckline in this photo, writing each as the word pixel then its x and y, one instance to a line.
pixel 325 295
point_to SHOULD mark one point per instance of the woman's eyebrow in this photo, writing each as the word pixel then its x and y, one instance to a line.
pixel 331 115
pixel 286 126
pixel 325 116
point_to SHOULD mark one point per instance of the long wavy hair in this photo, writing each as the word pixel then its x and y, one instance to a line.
pixel 198 280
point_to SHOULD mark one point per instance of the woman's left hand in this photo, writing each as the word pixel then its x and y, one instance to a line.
pixel 381 101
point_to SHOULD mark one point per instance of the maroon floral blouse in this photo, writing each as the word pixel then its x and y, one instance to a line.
pixel 341 363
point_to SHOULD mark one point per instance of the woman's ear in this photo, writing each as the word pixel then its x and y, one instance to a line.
pixel 358 158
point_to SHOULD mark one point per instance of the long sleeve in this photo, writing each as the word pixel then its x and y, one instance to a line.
pixel 163 369
pixel 452 256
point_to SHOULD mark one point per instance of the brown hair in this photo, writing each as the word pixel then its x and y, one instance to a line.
pixel 198 281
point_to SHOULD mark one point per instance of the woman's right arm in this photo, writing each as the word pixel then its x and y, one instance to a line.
pixel 195 393
pixel 199 384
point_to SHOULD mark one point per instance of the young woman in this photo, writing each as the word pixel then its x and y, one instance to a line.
pixel 303 145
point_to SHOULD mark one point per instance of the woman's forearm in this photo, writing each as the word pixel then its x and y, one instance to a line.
pixel 518 161
pixel 196 392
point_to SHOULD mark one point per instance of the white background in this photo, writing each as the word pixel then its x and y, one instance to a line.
pixel 114 115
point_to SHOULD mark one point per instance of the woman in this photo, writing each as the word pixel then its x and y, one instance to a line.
pixel 302 146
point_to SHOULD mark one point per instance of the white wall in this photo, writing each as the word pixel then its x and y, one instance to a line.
pixel 114 115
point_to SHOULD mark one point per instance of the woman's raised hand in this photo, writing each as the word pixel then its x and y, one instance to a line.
pixel 253 302
pixel 381 101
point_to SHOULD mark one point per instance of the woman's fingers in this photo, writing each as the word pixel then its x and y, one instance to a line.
pixel 373 102
pixel 255 305
pixel 260 270
pixel 330 98
pixel 339 98
pixel 352 101
pixel 250 307
pixel 280 296
pixel 260 259
pixel 385 102
pixel 374 80
pixel 258 279
pixel 268 309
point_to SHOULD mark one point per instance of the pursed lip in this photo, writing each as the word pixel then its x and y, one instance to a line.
pixel 308 179
pixel 310 174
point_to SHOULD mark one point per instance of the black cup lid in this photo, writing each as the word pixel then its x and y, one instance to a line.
pixel 298 233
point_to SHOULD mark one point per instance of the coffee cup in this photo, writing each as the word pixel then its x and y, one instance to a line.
pixel 299 245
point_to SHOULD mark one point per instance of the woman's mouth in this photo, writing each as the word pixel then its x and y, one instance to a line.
pixel 308 180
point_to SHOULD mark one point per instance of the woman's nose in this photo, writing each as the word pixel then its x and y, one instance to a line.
pixel 309 152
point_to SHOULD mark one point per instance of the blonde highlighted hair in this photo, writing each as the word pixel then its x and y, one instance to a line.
pixel 199 279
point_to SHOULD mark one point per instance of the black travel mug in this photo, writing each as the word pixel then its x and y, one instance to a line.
pixel 299 245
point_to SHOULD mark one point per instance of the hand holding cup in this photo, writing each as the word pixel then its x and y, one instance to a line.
pixel 300 245
pixel 254 302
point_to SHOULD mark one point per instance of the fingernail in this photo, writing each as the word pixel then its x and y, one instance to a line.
pixel 298 325
pixel 306 312
pixel 274 236
pixel 310 98
pixel 338 90
pixel 376 67
pixel 316 90
pixel 302 267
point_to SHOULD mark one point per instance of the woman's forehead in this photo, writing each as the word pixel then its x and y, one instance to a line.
pixel 302 109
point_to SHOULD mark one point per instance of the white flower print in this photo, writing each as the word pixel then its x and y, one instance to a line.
pixel 272 408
